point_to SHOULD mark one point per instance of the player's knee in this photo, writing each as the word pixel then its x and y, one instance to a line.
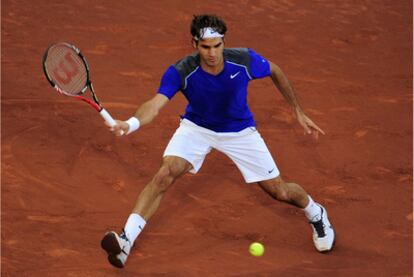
pixel 276 188
pixel 282 195
pixel 176 169
pixel 163 178
pixel 166 175
pixel 279 193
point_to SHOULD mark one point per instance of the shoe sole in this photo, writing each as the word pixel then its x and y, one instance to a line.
pixel 110 244
pixel 113 260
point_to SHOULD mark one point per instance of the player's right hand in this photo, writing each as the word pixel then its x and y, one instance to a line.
pixel 120 128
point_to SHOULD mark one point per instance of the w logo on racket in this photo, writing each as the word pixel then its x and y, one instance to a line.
pixel 66 69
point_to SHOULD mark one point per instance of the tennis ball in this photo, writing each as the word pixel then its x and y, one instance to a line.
pixel 256 249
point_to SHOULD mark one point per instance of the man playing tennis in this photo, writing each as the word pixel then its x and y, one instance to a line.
pixel 214 80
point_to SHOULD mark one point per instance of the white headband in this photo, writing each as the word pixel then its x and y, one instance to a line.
pixel 208 33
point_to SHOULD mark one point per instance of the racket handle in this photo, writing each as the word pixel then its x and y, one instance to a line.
pixel 108 118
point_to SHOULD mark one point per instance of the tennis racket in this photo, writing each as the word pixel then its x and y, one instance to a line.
pixel 67 71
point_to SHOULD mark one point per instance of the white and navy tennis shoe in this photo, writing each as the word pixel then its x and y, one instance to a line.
pixel 323 231
pixel 118 248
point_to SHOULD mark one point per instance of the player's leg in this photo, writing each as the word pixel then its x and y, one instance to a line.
pixel 149 199
pixel 249 152
pixel 292 193
pixel 185 152
pixel 118 246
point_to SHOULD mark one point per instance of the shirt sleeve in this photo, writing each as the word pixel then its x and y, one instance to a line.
pixel 259 66
pixel 170 82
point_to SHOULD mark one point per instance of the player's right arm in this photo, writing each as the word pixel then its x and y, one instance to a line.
pixel 145 114
pixel 170 85
pixel 150 109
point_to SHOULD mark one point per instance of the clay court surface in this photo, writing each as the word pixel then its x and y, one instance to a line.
pixel 66 180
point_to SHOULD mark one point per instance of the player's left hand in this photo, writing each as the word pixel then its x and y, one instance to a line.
pixel 310 127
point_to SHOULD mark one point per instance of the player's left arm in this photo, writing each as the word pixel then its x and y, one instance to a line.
pixel 283 85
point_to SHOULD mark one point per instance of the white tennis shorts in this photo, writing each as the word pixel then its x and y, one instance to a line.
pixel 246 149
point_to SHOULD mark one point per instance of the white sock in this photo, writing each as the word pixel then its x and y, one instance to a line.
pixel 312 210
pixel 134 226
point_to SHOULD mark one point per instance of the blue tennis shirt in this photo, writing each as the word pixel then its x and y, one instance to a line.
pixel 216 102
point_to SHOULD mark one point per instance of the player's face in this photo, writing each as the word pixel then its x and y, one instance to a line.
pixel 211 51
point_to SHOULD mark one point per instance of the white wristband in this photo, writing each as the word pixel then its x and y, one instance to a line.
pixel 134 124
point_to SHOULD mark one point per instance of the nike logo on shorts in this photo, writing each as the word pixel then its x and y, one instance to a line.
pixel 232 76
pixel 270 171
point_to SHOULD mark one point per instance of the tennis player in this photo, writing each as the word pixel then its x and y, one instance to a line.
pixel 214 81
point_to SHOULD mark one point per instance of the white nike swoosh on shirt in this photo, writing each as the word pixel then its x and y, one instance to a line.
pixel 233 76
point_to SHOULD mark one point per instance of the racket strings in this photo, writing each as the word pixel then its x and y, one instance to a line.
pixel 67 69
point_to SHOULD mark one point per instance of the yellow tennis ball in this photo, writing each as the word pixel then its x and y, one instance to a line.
pixel 256 249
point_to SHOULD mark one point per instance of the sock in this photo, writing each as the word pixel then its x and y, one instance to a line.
pixel 134 226
pixel 312 210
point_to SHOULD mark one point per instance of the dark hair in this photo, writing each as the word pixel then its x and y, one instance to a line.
pixel 207 20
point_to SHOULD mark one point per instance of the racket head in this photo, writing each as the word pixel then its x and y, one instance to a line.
pixel 66 69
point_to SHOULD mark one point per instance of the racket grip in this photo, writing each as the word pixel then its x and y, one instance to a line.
pixel 108 118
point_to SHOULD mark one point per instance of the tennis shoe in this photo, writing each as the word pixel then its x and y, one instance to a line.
pixel 323 231
pixel 118 248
